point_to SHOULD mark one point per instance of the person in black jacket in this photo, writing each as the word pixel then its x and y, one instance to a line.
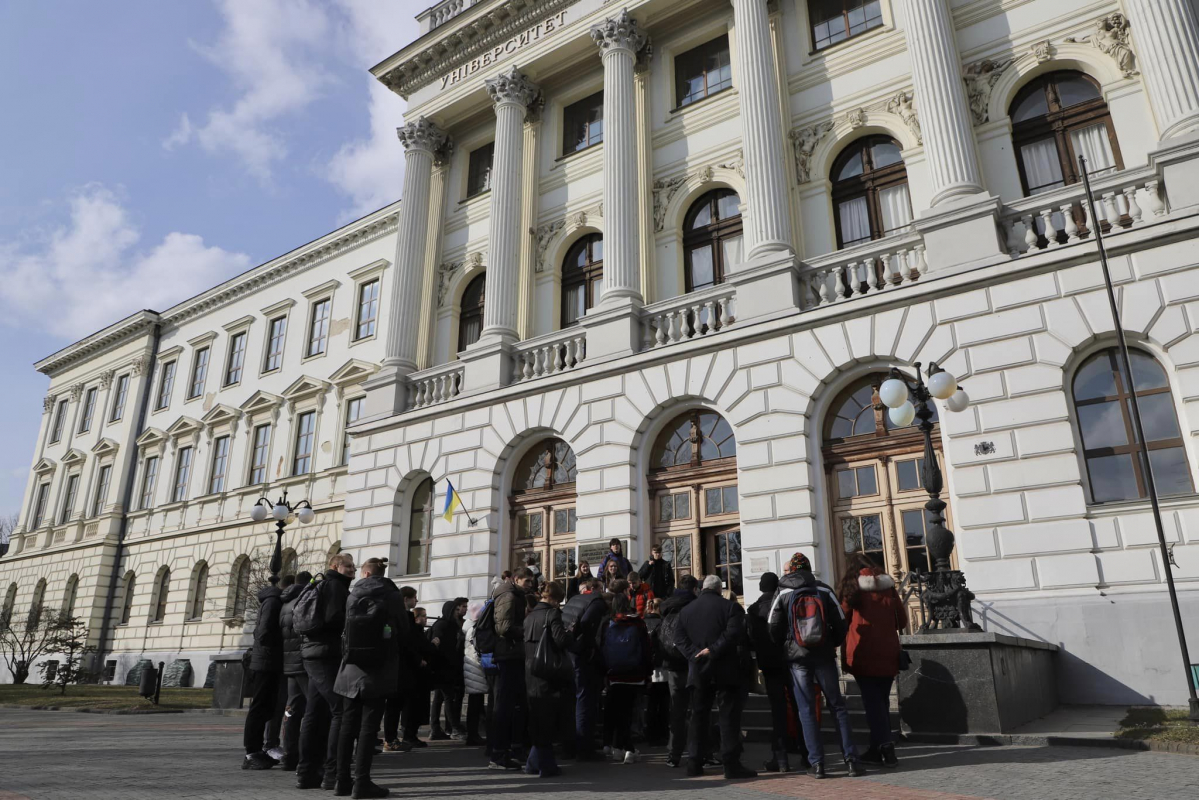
pixel 674 663
pixel 544 694
pixel 710 630
pixel 266 676
pixel 510 694
pixel 321 652
pixel 366 687
pixel 424 662
pixel 446 636
pixel 775 674
pixel 658 573
pixel 293 669
pixel 583 616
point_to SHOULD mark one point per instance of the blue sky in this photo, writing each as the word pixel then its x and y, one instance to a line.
pixel 156 147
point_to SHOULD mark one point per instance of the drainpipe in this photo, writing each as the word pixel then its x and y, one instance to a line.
pixel 143 407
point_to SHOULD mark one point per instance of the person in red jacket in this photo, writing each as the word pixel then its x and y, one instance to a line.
pixel 639 593
pixel 875 614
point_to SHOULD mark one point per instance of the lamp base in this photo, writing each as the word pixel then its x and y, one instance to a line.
pixel 948 602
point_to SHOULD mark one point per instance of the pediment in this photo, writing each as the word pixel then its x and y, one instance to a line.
pixel 183 426
pixel 219 414
pixel 44 465
pixel 353 371
pixel 105 447
pixel 150 437
pixel 305 387
pixel 261 401
pixel 73 456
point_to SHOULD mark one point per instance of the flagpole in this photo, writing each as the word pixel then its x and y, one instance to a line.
pixel 1141 444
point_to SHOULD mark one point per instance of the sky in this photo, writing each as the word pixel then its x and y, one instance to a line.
pixel 153 148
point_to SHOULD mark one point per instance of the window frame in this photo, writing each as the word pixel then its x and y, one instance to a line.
pixel 868 184
pixel 40 501
pixel 362 304
pixel 199 593
pixel 166 384
pixel 271 338
pixel 263 448
pixel 475 311
pixel 100 496
pixel 348 419
pixel 714 234
pixel 70 494
pixel 128 591
pixel 812 23
pixel 162 590
pixel 478 177
pixel 304 436
pixel 235 362
pixel 149 478
pixel 313 320
pixel 218 463
pixel 571 115
pixel 183 464
pixel 421 541
pixel 199 376
pixel 584 276
pixel 58 424
pixel 699 54
pixel 119 397
pixel 89 409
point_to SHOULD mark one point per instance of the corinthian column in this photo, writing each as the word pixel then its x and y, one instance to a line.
pixel 769 222
pixel 421 140
pixel 1167 39
pixel 512 93
pixel 619 40
pixel 941 96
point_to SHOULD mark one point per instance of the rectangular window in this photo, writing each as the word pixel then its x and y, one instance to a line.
pixel 856 482
pixel 220 461
pixel 674 506
pixel 183 468
pixel 835 21
pixel 368 309
pixel 165 384
pixel 721 501
pixel 118 403
pixel 199 373
pixel 583 124
pixel 39 508
pixel 318 331
pixel 909 474
pixel 478 171
pixel 149 477
pixel 68 503
pixel 305 432
pixel 60 419
pixel 237 358
pixel 101 496
pixel 274 345
pixel 262 452
pixel 353 414
pixel 703 71
pixel 89 408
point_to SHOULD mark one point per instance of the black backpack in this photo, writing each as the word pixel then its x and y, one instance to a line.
pixel 308 610
pixel 667 633
pixel 366 632
pixel 485 635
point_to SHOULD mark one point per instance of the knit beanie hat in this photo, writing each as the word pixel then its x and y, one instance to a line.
pixel 768 582
pixel 799 561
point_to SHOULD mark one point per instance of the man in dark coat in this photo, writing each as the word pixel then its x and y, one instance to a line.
pixel 544 694
pixel 446 636
pixel 366 687
pixel 510 694
pixel 709 632
pixel 676 667
pixel 321 653
pixel 775 674
pixel 583 616
pixel 658 573
pixel 293 669
pixel 422 663
pixel 266 676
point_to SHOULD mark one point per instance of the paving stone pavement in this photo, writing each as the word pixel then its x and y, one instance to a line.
pixel 49 755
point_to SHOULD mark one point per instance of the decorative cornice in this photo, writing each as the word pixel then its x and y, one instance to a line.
pixel 618 33
pixel 980 78
pixel 1111 36
pixel 124 330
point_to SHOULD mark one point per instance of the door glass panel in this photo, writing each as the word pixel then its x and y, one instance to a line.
pixel 665 508
pixel 682 506
pixel 872 533
pixel 529 525
pixel 866 481
pixel 564 521
pixel 846 485
pixel 682 551
pixel 712 501
pixel 729 496
pixel 851 535
pixel 563 557
pixel 702 272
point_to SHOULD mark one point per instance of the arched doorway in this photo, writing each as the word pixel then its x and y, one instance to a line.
pixel 872 474
pixel 542 507
pixel 693 497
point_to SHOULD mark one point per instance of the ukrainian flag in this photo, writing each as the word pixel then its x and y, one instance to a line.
pixel 452 502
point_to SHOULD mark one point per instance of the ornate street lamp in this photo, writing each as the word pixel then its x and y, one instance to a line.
pixel 280 511
pixel 945 594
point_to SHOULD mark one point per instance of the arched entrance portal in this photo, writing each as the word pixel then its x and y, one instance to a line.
pixel 542 506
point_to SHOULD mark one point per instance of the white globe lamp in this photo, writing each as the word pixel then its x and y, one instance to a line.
pixel 902 416
pixel 893 393
pixel 306 515
pixel 942 385
pixel 280 512
pixel 958 401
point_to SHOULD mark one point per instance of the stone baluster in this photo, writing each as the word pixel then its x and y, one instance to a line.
pixel 1134 208
pixel 839 284
pixel 921 261
pixel 871 275
pixel 1111 211
pixel 1070 225
pixel 822 282
pixel 1050 228
pixel 1153 199
pixel 1030 234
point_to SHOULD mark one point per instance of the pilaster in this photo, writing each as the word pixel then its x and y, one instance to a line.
pixel 428 296
pixel 528 222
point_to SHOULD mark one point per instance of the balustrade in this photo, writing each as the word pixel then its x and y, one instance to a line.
pixel 689 317
pixel 549 355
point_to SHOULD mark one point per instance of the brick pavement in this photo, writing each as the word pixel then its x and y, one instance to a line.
pixel 64 755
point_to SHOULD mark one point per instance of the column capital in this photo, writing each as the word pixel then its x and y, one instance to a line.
pixel 512 87
pixel 422 135
pixel 618 33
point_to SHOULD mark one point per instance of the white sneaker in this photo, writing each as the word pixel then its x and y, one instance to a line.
pixel 276 753
pixel 631 756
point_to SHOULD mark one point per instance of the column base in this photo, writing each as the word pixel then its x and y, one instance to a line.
pixel 1177 161
pixel 766 286
pixel 387 392
pixel 487 364
pixel 962 233
pixel 613 328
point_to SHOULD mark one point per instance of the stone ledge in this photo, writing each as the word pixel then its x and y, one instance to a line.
pixel 975 638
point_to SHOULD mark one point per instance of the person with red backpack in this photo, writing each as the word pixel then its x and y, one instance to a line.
pixel 806 620
pixel 639 593
pixel 628 657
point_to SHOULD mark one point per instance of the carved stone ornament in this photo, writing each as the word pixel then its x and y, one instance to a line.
pixel 511 87
pixel 106 378
pixel 901 106
pixel 48 403
pixel 544 235
pixel 1043 51
pixel 422 135
pixel 140 365
pixel 805 141
pixel 76 392
pixel 445 275
pixel 980 78
pixel 618 33
pixel 856 118
pixel 645 57
pixel 1111 36
pixel 665 190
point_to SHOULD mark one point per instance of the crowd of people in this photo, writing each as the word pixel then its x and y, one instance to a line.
pixel 583 669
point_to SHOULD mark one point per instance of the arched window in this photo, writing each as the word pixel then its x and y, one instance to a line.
pixel 420 529
pixel 582 277
pixel 874 483
pixel 1101 401
pixel 470 317
pixel 712 236
pixel 38 604
pixel 695 502
pixel 68 597
pixel 240 595
pixel 10 600
pixel 161 591
pixel 127 600
pixel 543 509
pixel 870 191
pixel 199 591
pixel 1055 119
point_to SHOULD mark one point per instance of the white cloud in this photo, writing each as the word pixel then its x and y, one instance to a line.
pixel 87 274
pixel 181 135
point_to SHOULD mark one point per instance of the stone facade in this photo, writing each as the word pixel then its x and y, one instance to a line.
pixel 999 286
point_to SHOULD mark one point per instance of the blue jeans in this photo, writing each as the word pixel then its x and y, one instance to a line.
pixel 876 701
pixel 825 674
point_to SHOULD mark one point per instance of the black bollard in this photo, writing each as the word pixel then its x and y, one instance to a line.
pixel 149 684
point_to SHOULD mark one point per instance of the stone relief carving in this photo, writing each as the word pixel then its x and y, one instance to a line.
pixel 76 392
pixel 980 78
pixel 1043 51
pixel 445 274
pixel 804 141
pixel 856 118
pixel 1111 36
pixel 901 106
pixel 48 403
pixel 545 234
pixel 106 378
pixel 512 87
pixel 645 57
pixel 140 365
pixel 665 190
pixel 619 32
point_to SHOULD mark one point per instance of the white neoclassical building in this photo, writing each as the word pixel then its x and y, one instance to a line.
pixel 652 261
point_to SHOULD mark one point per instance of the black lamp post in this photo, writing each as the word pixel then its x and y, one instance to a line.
pixel 945 594
pixel 280 511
